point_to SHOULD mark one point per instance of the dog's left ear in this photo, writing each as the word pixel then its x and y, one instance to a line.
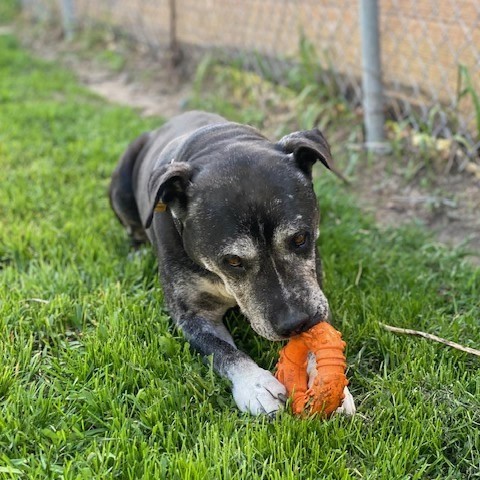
pixel 169 185
pixel 307 147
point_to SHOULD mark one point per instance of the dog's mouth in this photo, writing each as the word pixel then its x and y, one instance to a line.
pixel 266 331
pixel 275 333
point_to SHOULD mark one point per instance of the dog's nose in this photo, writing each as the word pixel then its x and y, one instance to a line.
pixel 291 325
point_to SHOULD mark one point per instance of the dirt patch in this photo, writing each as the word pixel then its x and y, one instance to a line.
pixel 164 100
pixel 446 202
pixel 119 70
pixel 449 205
pixel 6 30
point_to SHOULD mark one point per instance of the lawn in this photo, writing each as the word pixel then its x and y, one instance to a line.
pixel 96 383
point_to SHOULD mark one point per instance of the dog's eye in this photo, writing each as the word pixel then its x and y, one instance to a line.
pixel 300 239
pixel 234 261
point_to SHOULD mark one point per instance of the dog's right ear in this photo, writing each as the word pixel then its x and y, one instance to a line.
pixel 169 185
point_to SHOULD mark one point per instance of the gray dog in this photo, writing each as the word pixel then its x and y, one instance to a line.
pixel 233 219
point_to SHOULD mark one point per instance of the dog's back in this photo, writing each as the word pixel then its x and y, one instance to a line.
pixel 125 176
pixel 122 198
pixel 233 220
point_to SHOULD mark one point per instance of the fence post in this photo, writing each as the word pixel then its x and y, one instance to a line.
pixel 174 47
pixel 372 76
pixel 68 19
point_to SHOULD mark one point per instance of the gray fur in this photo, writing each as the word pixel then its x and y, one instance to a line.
pixel 228 191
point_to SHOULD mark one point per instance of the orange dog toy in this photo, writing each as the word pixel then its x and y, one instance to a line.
pixel 312 368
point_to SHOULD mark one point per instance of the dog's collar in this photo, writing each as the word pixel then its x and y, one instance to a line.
pixel 162 207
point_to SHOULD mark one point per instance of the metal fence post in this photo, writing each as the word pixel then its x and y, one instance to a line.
pixel 68 19
pixel 174 47
pixel 372 76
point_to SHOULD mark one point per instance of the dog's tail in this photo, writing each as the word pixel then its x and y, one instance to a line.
pixel 122 198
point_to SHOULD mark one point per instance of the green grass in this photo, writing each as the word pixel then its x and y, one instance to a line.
pixel 96 383
pixel 9 10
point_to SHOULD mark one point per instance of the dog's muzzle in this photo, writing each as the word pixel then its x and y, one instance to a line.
pixel 293 323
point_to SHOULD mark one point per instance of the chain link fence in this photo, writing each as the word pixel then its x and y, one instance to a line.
pixel 430 49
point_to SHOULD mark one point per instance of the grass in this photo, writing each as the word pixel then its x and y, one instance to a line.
pixel 249 97
pixel 465 78
pixel 96 383
pixel 9 10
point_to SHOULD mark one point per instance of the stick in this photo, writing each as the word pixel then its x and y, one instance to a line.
pixel 429 336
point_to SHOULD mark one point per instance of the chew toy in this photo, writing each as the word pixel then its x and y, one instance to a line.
pixel 312 368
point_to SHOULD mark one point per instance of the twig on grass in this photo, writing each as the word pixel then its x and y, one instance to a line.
pixel 429 336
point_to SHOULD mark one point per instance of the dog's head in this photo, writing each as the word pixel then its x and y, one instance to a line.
pixel 250 216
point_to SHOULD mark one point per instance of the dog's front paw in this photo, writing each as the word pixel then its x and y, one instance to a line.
pixel 259 392
pixel 348 404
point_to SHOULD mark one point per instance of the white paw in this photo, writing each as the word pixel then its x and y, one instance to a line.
pixel 348 404
pixel 257 391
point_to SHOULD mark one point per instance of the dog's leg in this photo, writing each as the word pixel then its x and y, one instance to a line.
pixel 255 390
pixel 122 198
pixel 348 404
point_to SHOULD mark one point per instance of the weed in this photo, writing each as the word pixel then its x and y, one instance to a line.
pixel 250 98
pixel 9 10
pixel 308 72
pixel 466 89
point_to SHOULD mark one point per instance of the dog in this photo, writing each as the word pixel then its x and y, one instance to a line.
pixel 233 220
